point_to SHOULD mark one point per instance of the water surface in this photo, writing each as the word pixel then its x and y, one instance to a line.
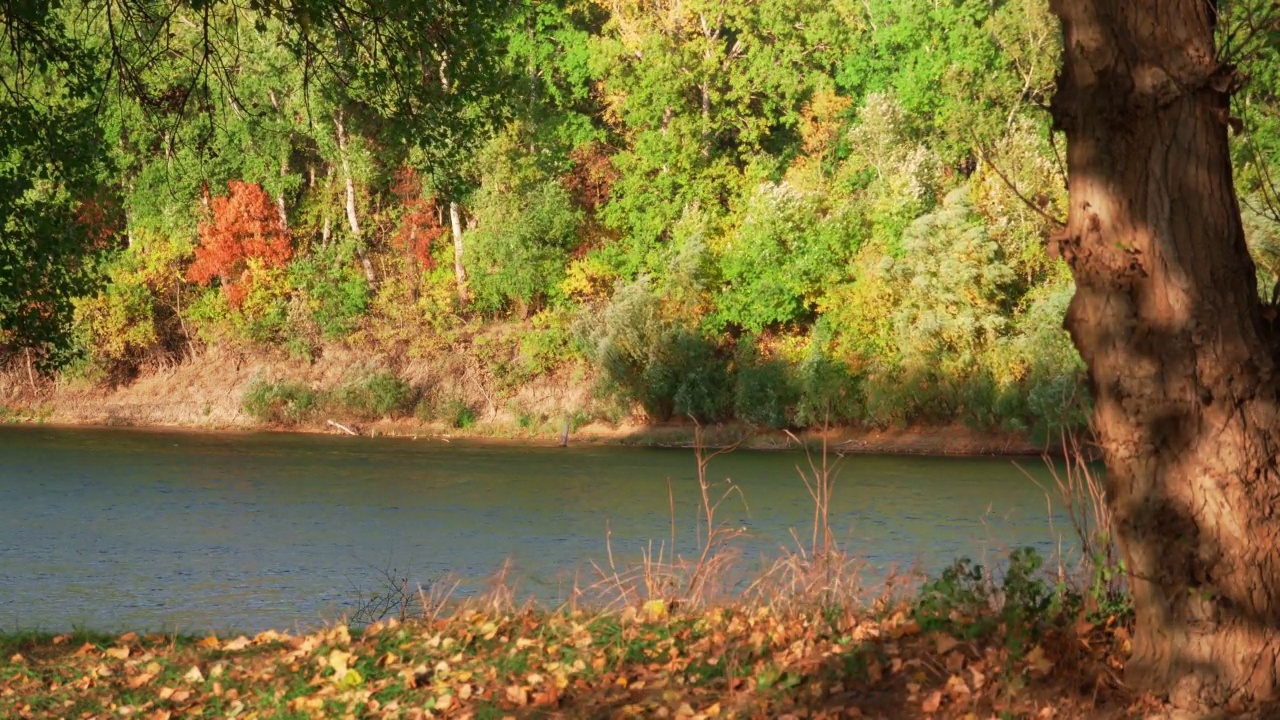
pixel 114 529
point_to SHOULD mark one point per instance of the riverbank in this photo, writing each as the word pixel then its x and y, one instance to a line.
pixel 898 660
pixel 211 393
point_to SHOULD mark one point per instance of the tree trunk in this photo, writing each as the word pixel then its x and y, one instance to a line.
pixel 352 218
pixel 1181 365
pixel 460 272
pixel 281 208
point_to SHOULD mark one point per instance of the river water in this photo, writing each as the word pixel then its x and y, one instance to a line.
pixel 148 530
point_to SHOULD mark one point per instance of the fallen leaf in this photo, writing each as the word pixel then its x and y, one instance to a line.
pixel 933 702
pixel 978 678
pixel 266 637
pixel 654 610
pixel 138 681
pixel 517 695
pixel 194 675
pixel 208 643
pixel 1037 661
pixel 127 638
pixel 119 653
pixel 236 645
pixel 338 661
pixel 945 644
pixel 956 687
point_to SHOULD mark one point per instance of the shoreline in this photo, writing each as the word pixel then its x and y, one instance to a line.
pixel 926 441
pixel 207 393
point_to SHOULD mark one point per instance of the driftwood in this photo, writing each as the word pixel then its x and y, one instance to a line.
pixel 343 428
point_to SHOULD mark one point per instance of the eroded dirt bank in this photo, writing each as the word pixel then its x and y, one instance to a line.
pixel 209 391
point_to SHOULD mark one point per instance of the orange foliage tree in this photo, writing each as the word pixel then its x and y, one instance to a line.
pixel 420 227
pixel 244 228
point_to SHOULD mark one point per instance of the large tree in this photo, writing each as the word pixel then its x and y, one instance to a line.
pixel 1181 358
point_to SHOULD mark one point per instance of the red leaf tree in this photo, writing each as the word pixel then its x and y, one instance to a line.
pixel 244 226
pixel 420 227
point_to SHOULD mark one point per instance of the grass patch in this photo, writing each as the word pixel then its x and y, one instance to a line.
pixel 376 396
pixel 280 403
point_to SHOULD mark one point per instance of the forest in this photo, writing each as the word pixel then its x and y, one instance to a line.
pixel 788 214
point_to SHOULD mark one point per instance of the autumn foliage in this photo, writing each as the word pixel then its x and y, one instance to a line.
pixel 244 229
pixel 420 227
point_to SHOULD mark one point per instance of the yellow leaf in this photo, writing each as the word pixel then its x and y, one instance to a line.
pixel 338 661
pixel 209 643
pixel 350 679
pixel 138 681
pixel 654 610
pixel 444 702
pixel 464 691
pixel 17 659
pixel 713 711
pixel 488 630
pixel 194 675
pixel 181 695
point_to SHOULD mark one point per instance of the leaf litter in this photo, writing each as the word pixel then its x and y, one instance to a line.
pixel 722 662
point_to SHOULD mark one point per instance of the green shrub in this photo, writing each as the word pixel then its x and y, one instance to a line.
pixel 376 396
pixel 764 394
pixel 334 289
pixel 526 226
pixel 828 392
pixel 282 403
pixel 667 367
pixel 452 410
pixel 458 414
pixel 961 599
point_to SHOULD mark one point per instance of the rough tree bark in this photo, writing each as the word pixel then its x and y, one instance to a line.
pixel 1181 363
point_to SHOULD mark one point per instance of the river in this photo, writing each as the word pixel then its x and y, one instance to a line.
pixel 150 530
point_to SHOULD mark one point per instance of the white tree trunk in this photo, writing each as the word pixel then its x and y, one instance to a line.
pixel 460 272
pixel 353 219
